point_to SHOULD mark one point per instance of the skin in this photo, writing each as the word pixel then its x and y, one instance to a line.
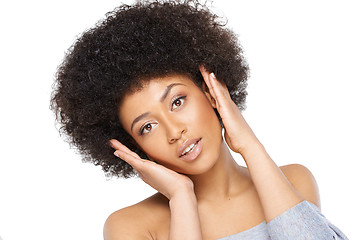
pixel 172 123
pixel 211 197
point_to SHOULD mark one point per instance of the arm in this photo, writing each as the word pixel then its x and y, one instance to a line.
pixel 185 222
pixel 276 193
pixel 282 197
pixel 178 188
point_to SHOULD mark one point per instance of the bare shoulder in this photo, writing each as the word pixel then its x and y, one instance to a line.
pixel 303 181
pixel 136 221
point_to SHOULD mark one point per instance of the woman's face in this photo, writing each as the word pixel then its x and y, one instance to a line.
pixel 173 122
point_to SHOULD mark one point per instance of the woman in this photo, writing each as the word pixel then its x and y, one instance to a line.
pixel 157 83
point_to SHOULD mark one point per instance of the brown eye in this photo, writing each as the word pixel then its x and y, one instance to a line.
pixel 178 102
pixel 147 128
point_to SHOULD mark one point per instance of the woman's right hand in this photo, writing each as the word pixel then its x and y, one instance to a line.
pixel 166 181
pixel 178 188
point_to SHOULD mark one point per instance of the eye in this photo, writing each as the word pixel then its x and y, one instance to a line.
pixel 178 102
pixel 146 128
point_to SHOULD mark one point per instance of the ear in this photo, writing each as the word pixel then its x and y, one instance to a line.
pixel 206 91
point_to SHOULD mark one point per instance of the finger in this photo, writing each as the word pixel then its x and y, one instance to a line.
pixel 143 167
pixel 216 84
pixel 119 146
pixel 206 77
pixel 221 93
pixel 134 161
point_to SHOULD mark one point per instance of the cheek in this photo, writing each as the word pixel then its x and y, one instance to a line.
pixel 206 116
pixel 210 125
pixel 157 148
pixel 154 145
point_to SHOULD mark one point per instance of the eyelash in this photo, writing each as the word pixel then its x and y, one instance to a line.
pixel 141 132
pixel 176 99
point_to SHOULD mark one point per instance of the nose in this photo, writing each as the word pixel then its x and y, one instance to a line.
pixel 175 128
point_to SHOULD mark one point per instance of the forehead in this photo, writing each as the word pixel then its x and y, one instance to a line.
pixel 140 101
pixel 155 86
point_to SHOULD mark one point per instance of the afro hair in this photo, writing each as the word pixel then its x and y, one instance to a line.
pixel 133 43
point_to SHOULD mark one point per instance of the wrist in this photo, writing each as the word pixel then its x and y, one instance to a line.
pixel 253 146
pixel 254 154
pixel 185 222
pixel 182 195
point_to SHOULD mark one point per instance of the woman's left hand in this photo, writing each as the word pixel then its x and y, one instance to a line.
pixel 238 134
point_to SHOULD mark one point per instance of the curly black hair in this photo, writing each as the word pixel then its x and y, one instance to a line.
pixel 131 45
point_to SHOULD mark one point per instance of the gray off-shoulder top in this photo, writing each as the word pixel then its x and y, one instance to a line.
pixel 303 221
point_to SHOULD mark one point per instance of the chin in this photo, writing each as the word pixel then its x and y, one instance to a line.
pixel 202 165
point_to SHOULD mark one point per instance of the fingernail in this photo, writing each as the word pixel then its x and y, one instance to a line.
pixel 212 75
pixel 116 154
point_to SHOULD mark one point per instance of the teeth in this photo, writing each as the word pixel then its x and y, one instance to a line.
pixel 187 150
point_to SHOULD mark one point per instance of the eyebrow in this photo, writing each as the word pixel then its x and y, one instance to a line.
pixel 162 98
pixel 138 119
pixel 167 90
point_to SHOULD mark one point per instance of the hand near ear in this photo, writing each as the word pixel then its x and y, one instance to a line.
pixel 238 134
pixel 164 180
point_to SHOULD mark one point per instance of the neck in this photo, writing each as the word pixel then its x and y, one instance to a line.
pixel 225 180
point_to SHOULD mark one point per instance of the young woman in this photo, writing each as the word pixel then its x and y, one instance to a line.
pixel 156 90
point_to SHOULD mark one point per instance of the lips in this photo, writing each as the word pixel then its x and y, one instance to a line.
pixel 190 150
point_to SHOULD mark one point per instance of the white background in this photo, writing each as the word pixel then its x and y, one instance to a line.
pixel 303 104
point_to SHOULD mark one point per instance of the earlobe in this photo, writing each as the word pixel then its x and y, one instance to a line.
pixel 208 95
